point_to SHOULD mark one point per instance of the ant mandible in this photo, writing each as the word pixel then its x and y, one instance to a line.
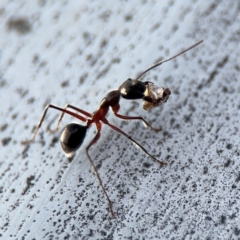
pixel 73 134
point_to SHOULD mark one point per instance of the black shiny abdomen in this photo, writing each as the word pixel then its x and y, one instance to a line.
pixel 72 137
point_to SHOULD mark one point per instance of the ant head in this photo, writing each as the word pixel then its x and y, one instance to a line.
pixel 135 89
pixel 72 137
pixel 152 95
pixel 132 89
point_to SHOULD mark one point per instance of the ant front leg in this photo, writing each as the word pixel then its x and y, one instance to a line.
pixel 116 109
pixel 44 115
pixel 95 139
pixel 62 114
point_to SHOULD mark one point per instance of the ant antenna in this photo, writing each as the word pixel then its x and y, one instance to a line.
pixel 159 63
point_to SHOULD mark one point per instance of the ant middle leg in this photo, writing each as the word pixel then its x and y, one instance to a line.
pixel 62 114
pixel 129 137
pixel 44 115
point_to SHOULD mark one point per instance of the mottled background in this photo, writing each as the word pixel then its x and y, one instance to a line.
pixel 75 52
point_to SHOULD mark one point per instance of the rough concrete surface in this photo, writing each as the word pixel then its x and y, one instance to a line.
pixel 74 52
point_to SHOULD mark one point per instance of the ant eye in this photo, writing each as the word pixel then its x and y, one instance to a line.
pixel 72 137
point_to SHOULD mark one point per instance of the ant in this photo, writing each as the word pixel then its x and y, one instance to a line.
pixel 73 134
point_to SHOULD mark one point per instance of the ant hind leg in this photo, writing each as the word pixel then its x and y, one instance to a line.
pixel 95 139
pixel 44 115
pixel 62 114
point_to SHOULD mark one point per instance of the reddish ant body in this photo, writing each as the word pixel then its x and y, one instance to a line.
pixel 74 134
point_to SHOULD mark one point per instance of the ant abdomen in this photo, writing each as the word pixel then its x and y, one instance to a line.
pixel 72 137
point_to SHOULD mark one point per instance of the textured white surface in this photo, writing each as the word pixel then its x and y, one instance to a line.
pixel 72 52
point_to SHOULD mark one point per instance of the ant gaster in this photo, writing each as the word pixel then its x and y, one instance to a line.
pixel 73 134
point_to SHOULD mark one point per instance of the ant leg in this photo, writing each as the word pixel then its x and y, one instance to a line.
pixel 116 109
pixel 61 116
pixel 129 137
pixel 138 118
pixel 44 115
pixel 95 139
